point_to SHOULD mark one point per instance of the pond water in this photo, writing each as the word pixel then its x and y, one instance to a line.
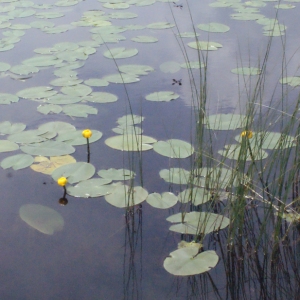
pixel 89 248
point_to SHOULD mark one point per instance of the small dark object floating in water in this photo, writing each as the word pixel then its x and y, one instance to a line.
pixel 177 81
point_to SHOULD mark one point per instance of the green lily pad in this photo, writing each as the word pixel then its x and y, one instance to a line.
pixel 291 80
pixel 116 174
pixel 36 92
pixel 4 67
pixel 246 71
pixel 214 27
pixel 162 96
pixel 49 108
pixel 63 99
pixel 174 148
pixel 175 175
pixel 17 162
pixel 7 128
pixel 75 138
pixel 57 127
pixel 79 110
pixel 195 195
pixel 74 172
pixel 197 222
pixel 42 61
pixel 128 120
pixel 7 146
pixel 41 218
pixel 130 142
pixel 136 70
pixel 162 201
pixel 124 196
pixel 203 45
pixel 30 136
pixel 121 78
pixel 90 188
pixel 48 148
pixel 79 90
pixel 101 97
pixel 129 129
pixel 120 52
pixel 247 16
pixel 96 82
pixel 8 98
pixel 65 81
pixel 23 69
pixel 144 39
pixel 187 261
pixel 192 65
pixel 123 15
pixel 160 25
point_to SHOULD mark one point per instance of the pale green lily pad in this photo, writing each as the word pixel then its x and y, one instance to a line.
pixel 136 70
pixel 31 136
pixel 284 6
pixel 192 65
pixel 42 61
pixel 170 67
pixel 225 121
pixel 63 99
pixel 175 175
pixel 21 13
pixel 120 52
pixel 65 73
pixel 134 27
pixel 41 218
pixel 121 78
pixel 246 71
pixel 144 39
pixel 195 195
pixel 48 148
pixel 91 188
pixel 101 97
pixel 197 222
pixel 66 2
pixel 74 172
pixel 291 80
pixel 162 96
pixel 23 69
pixel 41 24
pixel 130 142
pixel 116 174
pixel 203 45
pixel 116 5
pixel 17 162
pixel 65 81
pixel 124 196
pixel 7 128
pixel 8 98
pixel 79 110
pixel 187 261
pixel 128 120
pixel 57 127
pixel 189 34
pixel 79 90
pixel 160 25
pixel 247 16
pixel 36 92
pixel 162 201
pixel 4 67
pixel 233 152
pixel 174 148
pixel 130 129
pixel 214 27
pixel 7 146
pixel 75 138
pixel 49 15
pixel 123 15
pixel 96 82
pixel 49 109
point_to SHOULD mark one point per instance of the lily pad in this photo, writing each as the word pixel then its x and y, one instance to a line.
pixel 162 96
pixel 121 78
pixel 162 201
pixel 130 142
pixel 46 165
pixel 78 90
pixel 48 148
pixel 160 25
pixel 144 39
pixel 214 27
pixel 124 196
pixel 291 80
pixel 75 138
pixel 8 98
pixel 49 108
pixel 203 45
pixel 74 172
pixel 41 218
pixel 246 71
pixel 116 174
pixel 7 128
pixel 187 261
pixel 58 127
pixel 120 52
pixel 195 195
pixel 130 120
pixel 174 148
pixel 36 92
pixel 175 175
pixel 7 146
pixel 17 162
pixel 136 70
pixel 79 110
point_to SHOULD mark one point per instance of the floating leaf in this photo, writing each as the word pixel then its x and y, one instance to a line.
pixel 197 222
pixel 203 45
pixel 41 218
pixel 120 52
pixel 246 71
pixel 192 65
pixel 8 128
pixel 136 70
pixel 4 67
pixel 116 174
pixel 162 96
pixel 162 201
pixel 94 187
pixel 130 120
pixel 57 127
pixel 125 196
pixel 75 138
pixel 175 175
pixel 174 148
pixel 78 90
pixel 49 108
pixel 144 39
pixel 74 172
pixel 63 99
pixel 7 146
pixel 47 166
pixel 121 78
pixel 42 61
pixel 160 25
pixel 79 110
pixel 130 142
pixel 31 136
pixel 23 69
pixel 187 261
pixel 214 27
pixel 292 81
pixel 96 82
pixel 123 15
pixel 37 92
pixel 195 195
pixel 48 148
pixel 8 98
pixel 17 162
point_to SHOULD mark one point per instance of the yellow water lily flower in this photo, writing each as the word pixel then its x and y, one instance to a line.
pixel 87 133
pixel 247 133
pixel 62 181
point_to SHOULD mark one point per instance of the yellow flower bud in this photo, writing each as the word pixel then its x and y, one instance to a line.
pixel 87 133
pixel 247 133
pixel 62 181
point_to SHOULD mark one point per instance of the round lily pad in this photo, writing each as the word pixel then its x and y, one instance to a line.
pixel 214 27
pixel 48 148
pixel 195 195
pixel 173 148
pixel 75 138
pixel 116 174
pixel 162 96
pixel 7 146
pixel 175 175
pixel 246 71
pixel 120 52
pixel 162 201
pixel 203 45
pixel 17 162
pixel 7 128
